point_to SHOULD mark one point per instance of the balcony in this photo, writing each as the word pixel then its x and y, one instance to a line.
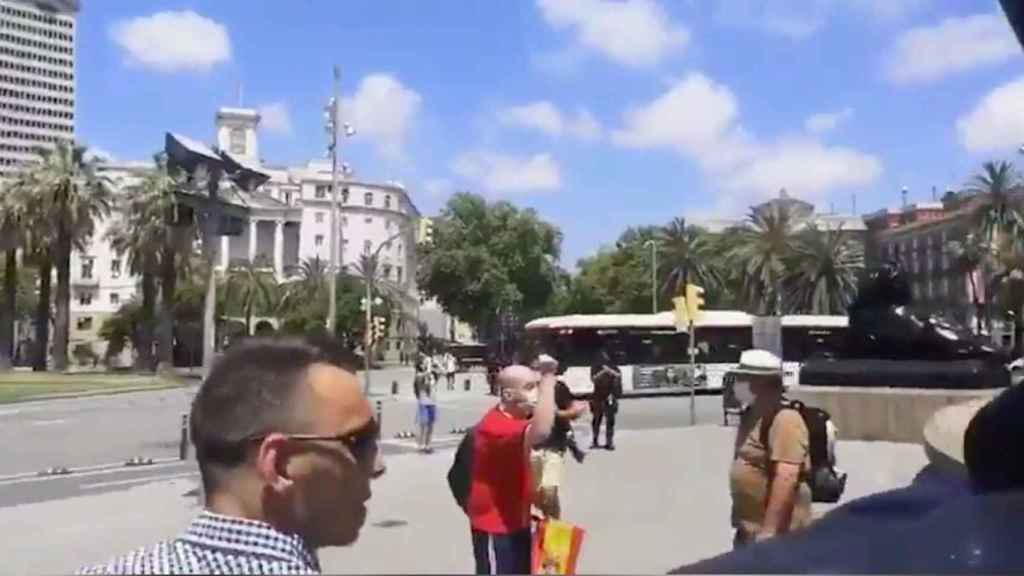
pixel 92 282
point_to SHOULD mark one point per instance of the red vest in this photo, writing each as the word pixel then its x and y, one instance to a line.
pixel 500 491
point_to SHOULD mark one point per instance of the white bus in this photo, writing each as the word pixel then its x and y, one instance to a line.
pixel 648 349
pixel 805 337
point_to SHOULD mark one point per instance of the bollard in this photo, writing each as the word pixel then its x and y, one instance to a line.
pixel 380 418
pixel 183 445
pixel 466 384
pixel 394 387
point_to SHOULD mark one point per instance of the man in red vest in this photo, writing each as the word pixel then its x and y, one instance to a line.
pixel 501 489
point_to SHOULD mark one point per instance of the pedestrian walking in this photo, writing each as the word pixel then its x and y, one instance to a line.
pixel 426 406
pixel 772 456
pixel 451 366
pixel 286 445
pixel 604 404
pixel 500 492
pixel 548 459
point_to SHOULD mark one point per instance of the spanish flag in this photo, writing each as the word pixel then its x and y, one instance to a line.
pixel 556 547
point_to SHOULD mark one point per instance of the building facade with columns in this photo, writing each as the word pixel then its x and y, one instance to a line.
pixel 289 222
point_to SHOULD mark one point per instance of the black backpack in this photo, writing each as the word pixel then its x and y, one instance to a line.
pixel 827 484
pixel 460 474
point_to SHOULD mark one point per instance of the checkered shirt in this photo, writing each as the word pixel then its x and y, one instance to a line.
pixel 215 544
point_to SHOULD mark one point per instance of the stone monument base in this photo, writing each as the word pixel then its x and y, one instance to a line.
pixel 883 414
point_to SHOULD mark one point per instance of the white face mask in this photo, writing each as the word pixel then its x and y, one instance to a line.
pixel 741 390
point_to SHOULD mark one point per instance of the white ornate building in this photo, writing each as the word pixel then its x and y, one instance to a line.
pixel 289 222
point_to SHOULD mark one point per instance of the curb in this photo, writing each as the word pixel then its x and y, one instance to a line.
pixel 63 471
pixel 91 393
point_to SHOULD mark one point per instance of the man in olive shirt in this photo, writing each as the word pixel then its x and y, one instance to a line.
pixel 766 481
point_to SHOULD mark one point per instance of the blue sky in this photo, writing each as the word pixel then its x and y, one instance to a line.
pixel 600 114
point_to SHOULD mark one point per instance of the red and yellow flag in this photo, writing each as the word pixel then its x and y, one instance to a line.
pixel 556 547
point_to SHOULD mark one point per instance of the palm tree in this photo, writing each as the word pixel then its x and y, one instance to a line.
pixel 758 255
pixel 689 257
pixel 312 277
pixel 11 236
pixel 970 255
pixel 256 288
pixel 994 209
pixel 155 245
pixel 822 271
pixel 37 241
pixel 73 197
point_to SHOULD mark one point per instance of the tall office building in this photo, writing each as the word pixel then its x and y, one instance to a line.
pixel 37 77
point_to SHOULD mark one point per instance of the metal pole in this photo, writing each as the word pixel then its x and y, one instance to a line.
pixel 210 303
pixel 654 278
pixel 332 304
pixel 693 375
pixel 367 337
pixel 183 445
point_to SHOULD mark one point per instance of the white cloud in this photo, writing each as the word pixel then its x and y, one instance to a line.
pixel 437 187
pixel 997 121
pixel 699 119
pixel 545 117
pixel 824 122
pixel 173 41
pixel 384 111
pixel 634 33
pixel 275 118
pixel 99 154
pixel 503 173
pixel 954 45
pixel 801 19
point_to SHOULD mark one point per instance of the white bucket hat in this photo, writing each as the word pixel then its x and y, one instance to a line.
pixel 759 363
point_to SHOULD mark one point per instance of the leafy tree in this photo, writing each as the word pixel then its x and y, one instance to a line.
pixel 968 256
pixel 489 257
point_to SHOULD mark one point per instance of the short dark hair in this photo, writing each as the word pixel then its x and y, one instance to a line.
pixel 251 391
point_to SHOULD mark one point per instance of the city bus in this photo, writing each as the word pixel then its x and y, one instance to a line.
pixel 649 350
pixel 805 337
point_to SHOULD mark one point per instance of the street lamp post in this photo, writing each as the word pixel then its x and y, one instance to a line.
pixel 654 275
pixel 367 336
pixel 331 125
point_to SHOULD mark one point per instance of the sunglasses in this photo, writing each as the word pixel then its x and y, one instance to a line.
pixel 361 444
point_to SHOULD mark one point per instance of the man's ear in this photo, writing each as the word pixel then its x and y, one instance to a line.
pixel 272 462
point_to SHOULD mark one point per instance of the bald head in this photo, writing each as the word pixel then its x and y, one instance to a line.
pixel 516 377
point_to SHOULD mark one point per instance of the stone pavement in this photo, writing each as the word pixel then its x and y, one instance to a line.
pixel 661 500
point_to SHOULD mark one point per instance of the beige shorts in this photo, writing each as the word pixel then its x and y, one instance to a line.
pixel 547 468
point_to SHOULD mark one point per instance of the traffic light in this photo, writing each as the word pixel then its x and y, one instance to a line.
pixel 694 302
pixel 681 316
pixel 379 330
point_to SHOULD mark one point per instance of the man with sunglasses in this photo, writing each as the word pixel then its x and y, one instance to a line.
pixel 287 446
pixel 501 486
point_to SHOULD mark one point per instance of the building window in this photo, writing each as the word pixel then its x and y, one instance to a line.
pixel 387 201
pixel 85 323
pixel 387 271
pixel 321 192
pixel 344 195
pixel 87 265
pixel 237 141
pixel 115 298
pixel 85 298
pixel 319 217
pixel 115 268
pixel 398 273
pixel 318 240
pixel 367 246
pixel 399 250
pixel 368 198
pixel 368 220
pixel 344 221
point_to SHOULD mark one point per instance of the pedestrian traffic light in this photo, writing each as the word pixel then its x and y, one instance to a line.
pixel 694 302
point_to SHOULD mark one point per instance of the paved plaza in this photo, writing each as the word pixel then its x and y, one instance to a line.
pixel 661 500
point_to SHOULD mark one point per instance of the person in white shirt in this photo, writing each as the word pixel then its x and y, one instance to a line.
pixel 451 366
